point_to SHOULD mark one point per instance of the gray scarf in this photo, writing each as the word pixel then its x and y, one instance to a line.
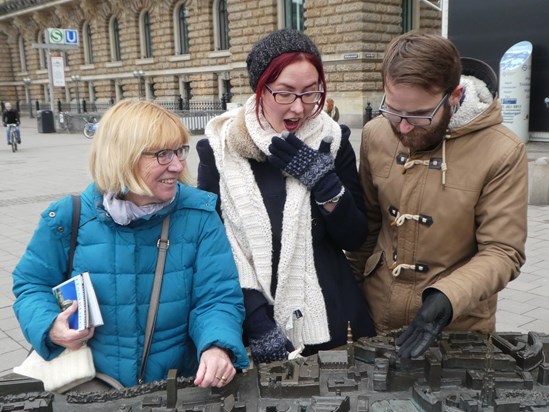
pixel 124 212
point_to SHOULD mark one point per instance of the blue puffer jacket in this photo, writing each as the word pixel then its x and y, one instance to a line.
pixel 201 300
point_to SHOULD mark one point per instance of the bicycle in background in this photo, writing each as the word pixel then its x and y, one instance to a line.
pixel 90 127
pixel 12 130
pixel 70 123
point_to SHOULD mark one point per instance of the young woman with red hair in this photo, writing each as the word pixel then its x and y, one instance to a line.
pixel 291 202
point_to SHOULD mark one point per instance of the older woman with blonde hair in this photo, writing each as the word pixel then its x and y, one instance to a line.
pixel 138 166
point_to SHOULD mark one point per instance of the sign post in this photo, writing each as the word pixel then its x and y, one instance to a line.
pixel 515 69
pixel 57 39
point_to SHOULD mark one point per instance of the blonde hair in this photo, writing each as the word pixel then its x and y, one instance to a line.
pixel 128 129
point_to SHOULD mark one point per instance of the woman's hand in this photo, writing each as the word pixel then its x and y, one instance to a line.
pixel 62 335
pixel 215 369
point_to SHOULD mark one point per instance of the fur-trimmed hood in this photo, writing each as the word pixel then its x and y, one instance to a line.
pixel 477 109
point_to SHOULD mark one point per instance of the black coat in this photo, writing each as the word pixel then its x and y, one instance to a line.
pixel 345 228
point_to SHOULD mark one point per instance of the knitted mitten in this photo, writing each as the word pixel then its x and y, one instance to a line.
pixel 272 346
pixel 314 168
pixel 300 161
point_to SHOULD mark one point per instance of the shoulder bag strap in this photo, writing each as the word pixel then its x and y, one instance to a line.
pixel 74 231
pixel 163 244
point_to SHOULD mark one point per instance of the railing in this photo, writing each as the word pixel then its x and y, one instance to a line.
pixel 195 118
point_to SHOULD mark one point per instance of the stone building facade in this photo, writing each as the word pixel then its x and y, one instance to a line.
pixel 139 48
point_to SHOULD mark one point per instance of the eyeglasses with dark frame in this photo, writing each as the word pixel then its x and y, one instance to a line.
pixel 284 97
pixel 396 118
pixel 165 156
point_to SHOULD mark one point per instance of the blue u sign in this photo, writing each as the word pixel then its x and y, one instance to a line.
pixel 71 36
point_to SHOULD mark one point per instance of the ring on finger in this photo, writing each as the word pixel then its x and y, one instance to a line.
pixel 224 379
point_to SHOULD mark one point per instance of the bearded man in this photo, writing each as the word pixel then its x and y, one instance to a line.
pixel 446 193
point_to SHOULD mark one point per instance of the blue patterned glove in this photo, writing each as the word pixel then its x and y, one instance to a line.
pixel 272 346
pixel 313 168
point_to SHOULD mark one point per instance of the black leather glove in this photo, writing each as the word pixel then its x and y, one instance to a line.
pixel 313 168
pixel 270 347
pixel 435 313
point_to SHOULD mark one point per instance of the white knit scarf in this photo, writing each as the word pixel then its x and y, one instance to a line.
pixel 235 137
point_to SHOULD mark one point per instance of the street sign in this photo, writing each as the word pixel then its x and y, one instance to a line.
pixel 71 36
pixel 62 36
pixel 56 36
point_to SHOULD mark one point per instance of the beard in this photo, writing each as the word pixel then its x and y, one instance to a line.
pixel 422 138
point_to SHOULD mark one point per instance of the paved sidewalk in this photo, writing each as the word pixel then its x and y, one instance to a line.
pixel 51 165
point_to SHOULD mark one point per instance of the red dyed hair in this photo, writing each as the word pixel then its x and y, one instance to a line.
pixel 278 64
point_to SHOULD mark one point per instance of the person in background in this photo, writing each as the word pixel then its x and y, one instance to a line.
pixel 332 109
pixel 291 202
pixel 137 162
pixel 11 116
pixel 446 192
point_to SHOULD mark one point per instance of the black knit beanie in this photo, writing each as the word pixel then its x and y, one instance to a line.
pixel 273 45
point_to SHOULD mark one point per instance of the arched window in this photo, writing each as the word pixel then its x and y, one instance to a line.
pixel 221 25
pixel 114 37
pixel 22 55
pixel 42 53
pixel 293 14
pixel 181 15
pixel 145 35
pixel 88 43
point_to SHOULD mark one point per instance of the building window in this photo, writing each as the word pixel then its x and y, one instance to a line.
pixel 407 15
pixel 88 43
pixel 227 93
pixel 42 53
pixel 146 35
pixel 22 56
pixel 119 90
pixel 181 30
pixel 221 25
pixel 114 34
pixel 293 14
pixel 187 90
pixel 186 95
pixel 151 89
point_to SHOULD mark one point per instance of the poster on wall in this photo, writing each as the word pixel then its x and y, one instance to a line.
pixel 58 71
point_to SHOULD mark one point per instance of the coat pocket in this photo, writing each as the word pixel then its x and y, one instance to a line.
pixel 373 263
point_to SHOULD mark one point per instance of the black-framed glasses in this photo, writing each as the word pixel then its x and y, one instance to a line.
pixel 283 97
pixel 165 156
pixel 396 118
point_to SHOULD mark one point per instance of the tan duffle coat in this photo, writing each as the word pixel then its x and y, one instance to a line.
pixel 453 218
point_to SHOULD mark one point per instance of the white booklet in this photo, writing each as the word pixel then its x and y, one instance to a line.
pixel 79 288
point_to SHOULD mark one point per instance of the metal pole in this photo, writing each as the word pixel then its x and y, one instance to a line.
pixel 50 72
pixel 76 78
pixel 139 74
pixel 78 96
pixel 30 103
pixel 27 82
